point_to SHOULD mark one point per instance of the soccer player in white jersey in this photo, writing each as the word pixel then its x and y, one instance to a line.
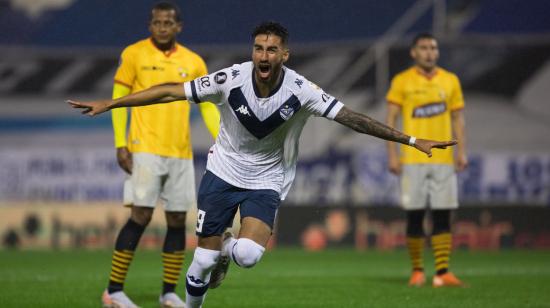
pixel 264 106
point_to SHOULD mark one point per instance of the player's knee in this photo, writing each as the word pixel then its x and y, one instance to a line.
pixel 441 221
pixel 142 215
pixel 205 259
pixel 247 253
pixel 176 219
pixel 415 220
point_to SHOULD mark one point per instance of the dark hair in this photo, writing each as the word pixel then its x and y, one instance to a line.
pixel 421 36
pixel 270 27
pixel 167 6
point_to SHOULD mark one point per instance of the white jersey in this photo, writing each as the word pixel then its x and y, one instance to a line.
pixel 257 145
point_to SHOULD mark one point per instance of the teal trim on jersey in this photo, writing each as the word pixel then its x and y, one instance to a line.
pixel 65 123
pixel 57 123
pixel 76 122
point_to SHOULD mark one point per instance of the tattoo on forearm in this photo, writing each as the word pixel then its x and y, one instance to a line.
pixel 367 125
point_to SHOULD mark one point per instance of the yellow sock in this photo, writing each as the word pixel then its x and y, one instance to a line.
pixel 441 245
pixel 415 245
pixel 119 265
pixel 172 263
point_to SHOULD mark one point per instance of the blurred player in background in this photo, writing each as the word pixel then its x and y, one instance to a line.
pixel 430 101
pixel 264 106
pixel 158 155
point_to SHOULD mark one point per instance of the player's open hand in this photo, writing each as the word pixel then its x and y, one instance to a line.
pixel 426 146
pixel 90 108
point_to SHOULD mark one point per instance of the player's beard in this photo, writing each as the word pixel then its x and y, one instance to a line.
pixel 272 75
pixel 428 66
pixel 165 45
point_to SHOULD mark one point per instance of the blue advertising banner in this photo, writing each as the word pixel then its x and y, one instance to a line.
pixel 84 174
pixel 362 178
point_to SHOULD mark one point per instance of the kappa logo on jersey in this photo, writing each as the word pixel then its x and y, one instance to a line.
pixel 220 77
pixel 286 112
pixel 234 73
pixel 243 110
pixel 299 82
pixel 429 110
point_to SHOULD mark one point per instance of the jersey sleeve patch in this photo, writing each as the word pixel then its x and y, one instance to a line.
pixel 209 87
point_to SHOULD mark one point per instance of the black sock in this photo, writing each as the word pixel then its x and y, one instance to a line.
pixel 173 255
pixel 126 244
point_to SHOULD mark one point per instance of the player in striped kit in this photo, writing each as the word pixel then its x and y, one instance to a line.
pixel 264 106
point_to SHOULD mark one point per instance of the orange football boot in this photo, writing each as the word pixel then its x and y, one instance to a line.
pixel 446 280
pixel 417 279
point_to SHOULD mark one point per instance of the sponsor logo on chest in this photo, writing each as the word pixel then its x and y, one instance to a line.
pixel 153 68
pixel 429 110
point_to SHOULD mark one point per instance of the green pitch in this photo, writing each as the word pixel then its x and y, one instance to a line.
pixel 284 278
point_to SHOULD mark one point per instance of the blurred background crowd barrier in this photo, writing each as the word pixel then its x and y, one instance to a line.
pixel 60 185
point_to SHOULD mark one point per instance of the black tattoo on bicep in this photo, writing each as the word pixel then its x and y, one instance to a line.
pixel 367 125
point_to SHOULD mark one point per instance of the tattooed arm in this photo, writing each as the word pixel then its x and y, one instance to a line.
pixel 367 125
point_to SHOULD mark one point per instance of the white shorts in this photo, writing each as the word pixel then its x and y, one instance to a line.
pixel 429 185
pixel 154 177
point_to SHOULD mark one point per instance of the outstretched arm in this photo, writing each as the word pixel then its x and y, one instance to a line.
pixel 366 125
pixel 154 95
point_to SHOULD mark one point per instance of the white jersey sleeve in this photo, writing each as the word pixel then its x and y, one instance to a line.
pixel 210 88
pixel 319 103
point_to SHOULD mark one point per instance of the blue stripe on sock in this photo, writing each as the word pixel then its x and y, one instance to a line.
pixel 195 291
pixel 233 254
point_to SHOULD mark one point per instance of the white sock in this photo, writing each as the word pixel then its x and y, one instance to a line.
pixel 198 276
pixel 228 246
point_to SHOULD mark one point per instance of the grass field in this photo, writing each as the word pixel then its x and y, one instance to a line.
pixel 284 278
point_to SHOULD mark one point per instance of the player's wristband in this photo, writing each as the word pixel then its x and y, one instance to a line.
pixel 412 141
